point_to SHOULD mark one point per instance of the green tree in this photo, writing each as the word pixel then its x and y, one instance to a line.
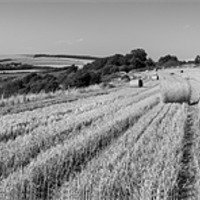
pixel 167 58
pixel 197 59
pixel 139 54
pixel 150 63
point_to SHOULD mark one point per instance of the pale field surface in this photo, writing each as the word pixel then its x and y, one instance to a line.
pixel 104 143
pixel 18 71
pixel 45 61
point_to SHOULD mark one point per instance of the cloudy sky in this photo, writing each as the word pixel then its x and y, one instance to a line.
pixel 100 27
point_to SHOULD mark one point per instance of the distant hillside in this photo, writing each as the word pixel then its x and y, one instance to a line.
pixel 67 56
pixel 5 60
pixel 45 60
pixel 100 70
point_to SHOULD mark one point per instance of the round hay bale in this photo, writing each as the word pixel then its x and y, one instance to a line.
pixel 175 91
pixel 133 83
pixel 136 83
pixel 155 77
pixel 195 93
pixel 181 71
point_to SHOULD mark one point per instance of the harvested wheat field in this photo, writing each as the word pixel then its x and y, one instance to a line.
pixel 119 144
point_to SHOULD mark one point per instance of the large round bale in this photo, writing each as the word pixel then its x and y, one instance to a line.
pixel 175 90
pixel 136 83
pixel 195 92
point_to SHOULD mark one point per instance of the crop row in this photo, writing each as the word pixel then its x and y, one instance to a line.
pixel 23 123
pixel 151 164
pixel 51 167
pixel 100 167
pixel 132 169
pixel 20 151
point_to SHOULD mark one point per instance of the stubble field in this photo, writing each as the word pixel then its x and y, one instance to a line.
pixel 122 144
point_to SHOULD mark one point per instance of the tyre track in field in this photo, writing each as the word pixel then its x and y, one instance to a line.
pixel 114 189
pixel 105 146
pixel 129 140
pixel 152 121
pixel 186 178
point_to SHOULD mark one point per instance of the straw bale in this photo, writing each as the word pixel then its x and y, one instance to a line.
pixel 175 90
pixel 155 77
pixel 195 91
pixel 136 83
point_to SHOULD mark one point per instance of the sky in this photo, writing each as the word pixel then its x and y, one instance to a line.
pixel 100 27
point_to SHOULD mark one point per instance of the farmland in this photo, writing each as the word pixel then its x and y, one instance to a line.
pixel 44 60
pixel 117 143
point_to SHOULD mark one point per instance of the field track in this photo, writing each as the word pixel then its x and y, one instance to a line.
pixel 119 144
pixel 185 187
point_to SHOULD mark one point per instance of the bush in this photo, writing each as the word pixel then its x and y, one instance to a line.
pixel 197 59
pixel 168 61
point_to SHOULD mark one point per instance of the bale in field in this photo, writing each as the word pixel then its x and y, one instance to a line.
pixel 195 92
pixel 181 71
pixel 155 77
pixel 136 83
pixel 175 91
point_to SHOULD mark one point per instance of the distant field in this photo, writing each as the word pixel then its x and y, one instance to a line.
pixel 114 144
pixel 45 61
pixel 40 63
pixel 18 71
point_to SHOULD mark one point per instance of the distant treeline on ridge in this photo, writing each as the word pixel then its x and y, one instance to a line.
pixel 67 56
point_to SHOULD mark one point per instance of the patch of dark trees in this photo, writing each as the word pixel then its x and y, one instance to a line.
pixel 66 56
pixel 32 83
pixel 5 60
pixel 169 61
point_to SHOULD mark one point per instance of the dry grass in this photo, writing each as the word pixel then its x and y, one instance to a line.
pixel 92 177
pixel 50 167
pixel 25 98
